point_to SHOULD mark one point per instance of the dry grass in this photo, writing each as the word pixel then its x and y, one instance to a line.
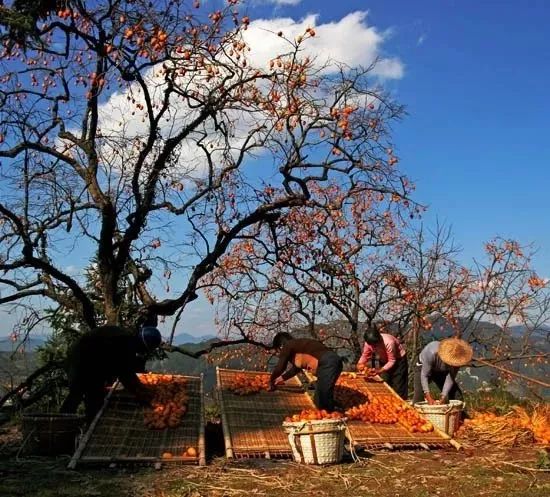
pixel 515 428
pixel 473 472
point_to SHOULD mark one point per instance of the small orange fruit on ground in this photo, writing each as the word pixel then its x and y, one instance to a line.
pixel 167 455
pixel 191 452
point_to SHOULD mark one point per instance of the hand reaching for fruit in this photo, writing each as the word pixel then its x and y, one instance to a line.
pixel 368 372
pixel 273 386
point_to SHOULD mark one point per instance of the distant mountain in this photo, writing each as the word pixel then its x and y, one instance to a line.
pixel 32 343
pixel 29 345
pixel 182 364
pixel 14 368
pixel 520 330
pixel 483 335
pixel 184 338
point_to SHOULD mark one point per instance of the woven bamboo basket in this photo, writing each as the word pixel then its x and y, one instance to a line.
pixel 446 417
pixel 50 434
pixel 316 442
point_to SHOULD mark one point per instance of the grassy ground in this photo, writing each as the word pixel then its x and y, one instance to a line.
pixel 472 472
pixel 486 472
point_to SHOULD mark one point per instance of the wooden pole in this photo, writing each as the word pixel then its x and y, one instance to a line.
pixel 455 444
pixel 226 435
pixel 513 373
pixel 88 435
pixel 202 448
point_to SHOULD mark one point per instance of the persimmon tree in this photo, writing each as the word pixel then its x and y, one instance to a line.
pixel 424 279
pixel 316 267
pixel 499 304
pixel 140 136
pixel 338 273
pixel 506 291
pixel 329 282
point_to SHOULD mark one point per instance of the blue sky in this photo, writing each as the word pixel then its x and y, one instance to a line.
pixel 474 77
pixel 475 84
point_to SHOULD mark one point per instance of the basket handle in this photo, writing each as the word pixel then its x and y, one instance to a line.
pixel 454 406
pixel 296 446
pixel 294 441
pixel 313 448
pixel 301 427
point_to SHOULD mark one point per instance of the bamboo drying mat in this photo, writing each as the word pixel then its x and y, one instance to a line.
pixel 252 424
pixel 118 435
pixel 374 435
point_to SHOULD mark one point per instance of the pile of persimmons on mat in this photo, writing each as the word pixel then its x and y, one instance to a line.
pixel 169 403
pixel 247 384
pixel 380 408
pixel 313 415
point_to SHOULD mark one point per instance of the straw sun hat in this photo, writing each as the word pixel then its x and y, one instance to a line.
pixel 455 352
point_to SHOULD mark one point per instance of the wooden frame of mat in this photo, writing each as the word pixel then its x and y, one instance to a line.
pixel 252 424
pixel 117 434
pixel 375 436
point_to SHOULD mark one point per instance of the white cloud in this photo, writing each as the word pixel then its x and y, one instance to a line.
pixel 279 2
pixel 391 68
pixel 350 41
pixel 421 40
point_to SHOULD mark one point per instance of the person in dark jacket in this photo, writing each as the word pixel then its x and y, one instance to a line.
pixel 102 356
pixel 310 355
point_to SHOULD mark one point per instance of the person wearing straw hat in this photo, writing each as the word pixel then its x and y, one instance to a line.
pixel 100 357
pixel 439 362
pixel 391 355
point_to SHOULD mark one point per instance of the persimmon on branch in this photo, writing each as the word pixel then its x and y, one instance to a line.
pixel 216 345
pixel 144 138
pixel 509 372
pixel 327 267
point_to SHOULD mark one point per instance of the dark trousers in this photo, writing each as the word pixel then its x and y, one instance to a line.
pixel 328 370
pixel 439 379
pixel 398 377
pixel 93 396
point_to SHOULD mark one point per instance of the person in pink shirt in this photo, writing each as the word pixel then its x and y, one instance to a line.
pixel 394 368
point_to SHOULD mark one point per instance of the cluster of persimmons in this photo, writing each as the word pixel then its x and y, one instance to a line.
pixel 169 403
pixel 313 415
pixel 380 408
pixel 244 384
pixel 389 409
pixel 189 452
